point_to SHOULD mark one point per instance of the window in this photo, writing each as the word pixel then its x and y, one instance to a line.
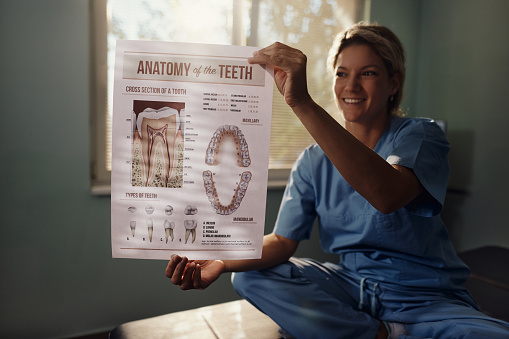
pixel 308 25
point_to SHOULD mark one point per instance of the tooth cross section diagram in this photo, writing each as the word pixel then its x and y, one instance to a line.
pixel 157 158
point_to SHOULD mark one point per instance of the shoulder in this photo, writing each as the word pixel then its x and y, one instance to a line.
pixel 311 162
pixel 416 125
pixel 402 129
pixel 312 153
pixel 415 143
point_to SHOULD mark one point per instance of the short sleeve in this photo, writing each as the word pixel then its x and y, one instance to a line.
pixel 297 212
pixel 420 144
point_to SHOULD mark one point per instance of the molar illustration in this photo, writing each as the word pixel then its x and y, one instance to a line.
pixel 132 209
pixel 190 210
pixel 168 210
pixel 168 229
pixel 157 158
pixel 190 226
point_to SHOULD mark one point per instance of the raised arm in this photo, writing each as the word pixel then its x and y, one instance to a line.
pixel 200 274
pixel 386 187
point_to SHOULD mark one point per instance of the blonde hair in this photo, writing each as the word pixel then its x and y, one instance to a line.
pixel 385 43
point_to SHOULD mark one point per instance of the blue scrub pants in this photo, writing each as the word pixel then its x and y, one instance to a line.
pixel 309 299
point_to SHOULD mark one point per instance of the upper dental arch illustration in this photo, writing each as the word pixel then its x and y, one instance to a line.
pixel 243 159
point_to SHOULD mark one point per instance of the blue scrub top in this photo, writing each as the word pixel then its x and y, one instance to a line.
pixel 409 248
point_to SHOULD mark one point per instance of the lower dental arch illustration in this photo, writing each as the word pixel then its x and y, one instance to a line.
pixel 211 159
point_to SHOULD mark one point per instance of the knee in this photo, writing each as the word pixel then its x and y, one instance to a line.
pixel 240 283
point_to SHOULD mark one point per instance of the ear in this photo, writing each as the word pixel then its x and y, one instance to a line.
pixel 396 81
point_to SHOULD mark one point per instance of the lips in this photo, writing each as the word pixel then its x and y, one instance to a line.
pixel 353 100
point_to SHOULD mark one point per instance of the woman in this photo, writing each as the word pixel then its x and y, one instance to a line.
pixel 377 186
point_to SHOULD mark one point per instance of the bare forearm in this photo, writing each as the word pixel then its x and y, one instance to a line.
pixel 384 186
pixel 276 250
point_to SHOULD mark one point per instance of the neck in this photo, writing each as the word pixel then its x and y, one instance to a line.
pixel 368 134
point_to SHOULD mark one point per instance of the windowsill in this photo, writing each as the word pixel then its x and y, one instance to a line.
pixel 100 190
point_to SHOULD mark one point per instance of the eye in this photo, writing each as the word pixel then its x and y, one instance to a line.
pixel 369 73
pixel 341 74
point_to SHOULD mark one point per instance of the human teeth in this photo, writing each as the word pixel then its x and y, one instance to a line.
pixel 168 232
pixel 246 162
pixel 190 226
pixel 207 175
pixel 149 209
pixel 353 101
pixel 157 148
pixel 246 176
pixel 150 226
pixel 182 120
pixel 168 229
pixel 190 210
pixel 150 113
pixel 132 224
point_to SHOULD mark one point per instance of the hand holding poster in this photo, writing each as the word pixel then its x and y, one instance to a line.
pixel 191 130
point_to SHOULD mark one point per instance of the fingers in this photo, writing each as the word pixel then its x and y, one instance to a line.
pixel 279 55
pixel 175 259
pixel 197 277
pixel 176 268
pixel 187 282
pixel 183 273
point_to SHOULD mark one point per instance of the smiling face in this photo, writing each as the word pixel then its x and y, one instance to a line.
pixel 362 85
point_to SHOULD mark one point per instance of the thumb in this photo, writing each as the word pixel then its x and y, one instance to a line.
pixel 197 283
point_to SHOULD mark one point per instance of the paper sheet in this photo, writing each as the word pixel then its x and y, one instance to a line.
pixel 190 151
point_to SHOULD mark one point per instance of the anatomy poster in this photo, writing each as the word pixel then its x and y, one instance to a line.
pixel 191 130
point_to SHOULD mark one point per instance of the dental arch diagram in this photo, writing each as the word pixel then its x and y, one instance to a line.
pixel 243 159
pixel 157 154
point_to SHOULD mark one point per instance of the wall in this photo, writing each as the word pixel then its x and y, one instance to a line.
pixel 461 49
pixel 464 78
pixel 58 278
pixel 403 17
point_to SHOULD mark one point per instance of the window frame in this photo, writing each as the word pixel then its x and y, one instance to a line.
pixel 100 177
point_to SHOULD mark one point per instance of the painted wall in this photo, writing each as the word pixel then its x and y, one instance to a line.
pixel 459 74
pixel 57 276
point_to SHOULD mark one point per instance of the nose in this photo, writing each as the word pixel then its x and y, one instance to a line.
pixel 352 84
